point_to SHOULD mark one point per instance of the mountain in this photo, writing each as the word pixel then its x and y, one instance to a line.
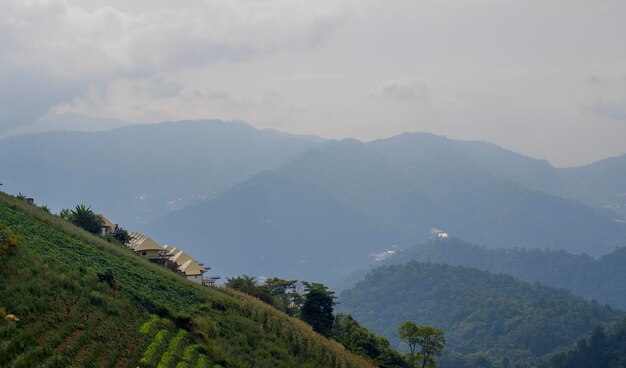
pixel 602 184
pixel 602 279
pixel 326 212
pixel 81 301
pixel 138 173
pixel 494 315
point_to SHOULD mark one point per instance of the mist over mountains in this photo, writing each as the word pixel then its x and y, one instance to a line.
pixel 268 203
pixel 138 173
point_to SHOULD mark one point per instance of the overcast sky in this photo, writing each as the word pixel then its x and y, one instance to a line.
pixel 546 78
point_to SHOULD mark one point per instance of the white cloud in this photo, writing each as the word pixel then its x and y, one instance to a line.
pixel 68 41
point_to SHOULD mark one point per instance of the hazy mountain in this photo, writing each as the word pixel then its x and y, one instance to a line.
pixel 601 184
pixel 479 312
pixel 328 210
pixel 138 173
pixel 71 122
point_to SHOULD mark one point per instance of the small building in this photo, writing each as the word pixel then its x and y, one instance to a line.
pixel 29 201
pixel 192 270
pixel 442 235
pixel 148 248
pixel 108 227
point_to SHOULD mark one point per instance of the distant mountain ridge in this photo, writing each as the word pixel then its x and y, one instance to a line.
pixel 387 193
pixel 602 279
pixel 138 173
pixel 248 196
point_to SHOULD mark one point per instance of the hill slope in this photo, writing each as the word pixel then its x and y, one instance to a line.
pixel 602 279
pixel 340 202
pixel 497 315
pixel 138 173
pixel 150 316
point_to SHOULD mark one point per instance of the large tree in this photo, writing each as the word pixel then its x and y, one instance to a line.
pixel 430 340
pixel 83 216
pixel 317 309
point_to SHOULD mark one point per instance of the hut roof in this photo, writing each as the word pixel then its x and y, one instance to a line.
pixel 191 268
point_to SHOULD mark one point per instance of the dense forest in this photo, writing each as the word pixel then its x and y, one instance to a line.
pixel 493 314
pixel 605 348
pixel 601 279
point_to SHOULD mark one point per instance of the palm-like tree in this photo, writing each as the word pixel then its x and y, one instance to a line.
pixel 84 217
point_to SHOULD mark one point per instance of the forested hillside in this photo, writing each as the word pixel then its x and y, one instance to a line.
pixel 324 214
pixel 498 316
pixel 137 314
pixel 601 279
pixel 605 348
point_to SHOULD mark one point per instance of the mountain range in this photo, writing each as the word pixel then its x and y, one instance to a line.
pixel 269 203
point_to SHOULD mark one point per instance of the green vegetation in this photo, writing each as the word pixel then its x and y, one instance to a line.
pixel 601 279
pixel 497 316
pixel 68 317
pixel 317 309
pixel 313 303
pixel 605 348
pixel 430 341
pixel 8 241
pixel 359 340
pixel 85 218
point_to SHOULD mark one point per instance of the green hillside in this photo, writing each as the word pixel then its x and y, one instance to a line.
pixel 148 317
pixel 602 279
pixel 494 315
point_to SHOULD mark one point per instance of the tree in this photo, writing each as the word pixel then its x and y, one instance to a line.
pixel 20 196
pixel 65 214
pixel 122 235
pixel 317 309
pixel 85 218
pixel 247 284
pixel 357 339
pixel 430 340
pixel 286 293
pixel 45 208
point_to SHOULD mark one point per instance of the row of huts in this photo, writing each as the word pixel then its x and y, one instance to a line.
pixel 166 255
pixel 172 257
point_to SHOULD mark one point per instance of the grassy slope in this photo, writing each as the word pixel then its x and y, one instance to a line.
pixel 68 317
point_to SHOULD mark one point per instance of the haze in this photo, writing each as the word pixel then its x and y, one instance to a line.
pixel 547 79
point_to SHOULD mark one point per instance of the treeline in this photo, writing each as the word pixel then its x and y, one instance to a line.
pixel 313 303
pixel 601 279
pixel 487 316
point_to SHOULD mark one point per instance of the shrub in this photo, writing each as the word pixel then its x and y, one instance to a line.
pixel 8 242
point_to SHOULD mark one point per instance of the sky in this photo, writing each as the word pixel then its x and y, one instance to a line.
pixel 543 78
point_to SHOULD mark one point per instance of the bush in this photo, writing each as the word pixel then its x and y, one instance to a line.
pixel 8 242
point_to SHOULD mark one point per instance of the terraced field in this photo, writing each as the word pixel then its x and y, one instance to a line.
pixel 149 317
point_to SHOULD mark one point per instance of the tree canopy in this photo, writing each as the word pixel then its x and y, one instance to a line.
pixel 429 340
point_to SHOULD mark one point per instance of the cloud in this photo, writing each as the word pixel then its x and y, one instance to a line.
pixel 407 89
pixel 66 40
pixel 51 51
pixel 159 98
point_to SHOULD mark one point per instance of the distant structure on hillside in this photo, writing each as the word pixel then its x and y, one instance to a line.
pixel 108 227
pixel 439 234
